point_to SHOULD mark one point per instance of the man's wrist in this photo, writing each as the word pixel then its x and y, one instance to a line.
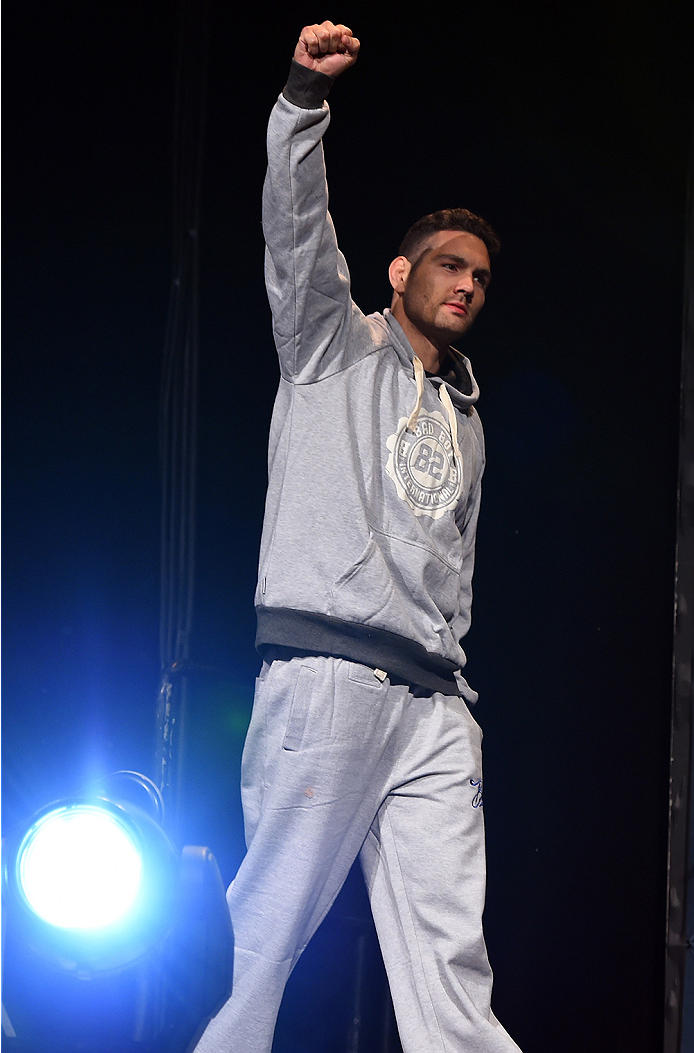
pixel 306 87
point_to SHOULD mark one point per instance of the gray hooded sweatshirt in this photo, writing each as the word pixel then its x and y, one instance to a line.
pixel 374 467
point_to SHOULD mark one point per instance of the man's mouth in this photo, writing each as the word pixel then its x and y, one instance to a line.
pixel 458 306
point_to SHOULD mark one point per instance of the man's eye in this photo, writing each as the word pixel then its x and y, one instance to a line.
pixel 451 266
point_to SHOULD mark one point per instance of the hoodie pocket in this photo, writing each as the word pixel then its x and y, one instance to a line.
pixel 364 589
pixel 402 587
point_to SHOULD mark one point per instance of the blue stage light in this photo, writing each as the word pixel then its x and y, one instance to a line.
pixel 92 881
pixel 79 867
pixel 109 928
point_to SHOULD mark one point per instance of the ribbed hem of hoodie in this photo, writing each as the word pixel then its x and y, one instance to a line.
pixel 284 633
pixel 306 87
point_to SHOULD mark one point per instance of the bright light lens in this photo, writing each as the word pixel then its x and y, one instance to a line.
pixel 78 868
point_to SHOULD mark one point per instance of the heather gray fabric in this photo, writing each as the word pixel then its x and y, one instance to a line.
pixel 337 760
pixel 369 531
pixel 360 742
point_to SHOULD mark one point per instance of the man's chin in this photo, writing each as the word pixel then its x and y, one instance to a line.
pixel 452 333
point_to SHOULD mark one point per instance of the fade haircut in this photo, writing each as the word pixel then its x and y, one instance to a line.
pixel 447 219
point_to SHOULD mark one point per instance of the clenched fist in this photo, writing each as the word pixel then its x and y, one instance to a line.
pixel 327 48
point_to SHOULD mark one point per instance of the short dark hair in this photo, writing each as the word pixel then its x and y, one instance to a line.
pixel 448 219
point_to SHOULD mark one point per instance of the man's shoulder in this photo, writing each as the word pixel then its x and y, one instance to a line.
pixel 371 336
pixel 383 338
pixel 380 331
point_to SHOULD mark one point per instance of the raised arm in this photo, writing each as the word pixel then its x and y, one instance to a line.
pixel 307 279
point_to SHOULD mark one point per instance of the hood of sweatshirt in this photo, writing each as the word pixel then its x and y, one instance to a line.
pixel 458 378
pixel 457 387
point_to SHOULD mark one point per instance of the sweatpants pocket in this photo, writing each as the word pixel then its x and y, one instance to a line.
pixel 298 713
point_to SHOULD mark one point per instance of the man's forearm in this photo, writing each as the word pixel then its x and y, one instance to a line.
pixel 307 88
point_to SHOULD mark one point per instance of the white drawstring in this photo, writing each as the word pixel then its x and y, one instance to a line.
pixel 419 377
pixel 452 419
pixel 445 399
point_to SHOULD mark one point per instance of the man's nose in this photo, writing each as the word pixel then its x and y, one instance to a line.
pixel 466 284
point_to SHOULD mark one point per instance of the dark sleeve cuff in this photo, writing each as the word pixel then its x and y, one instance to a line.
pixel 306 87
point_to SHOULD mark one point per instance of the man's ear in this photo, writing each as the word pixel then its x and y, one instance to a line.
pixel 398 273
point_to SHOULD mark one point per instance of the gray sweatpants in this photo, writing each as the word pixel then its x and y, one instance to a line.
pixel 339 763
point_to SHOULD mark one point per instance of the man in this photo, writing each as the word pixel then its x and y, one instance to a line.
pixel 361 741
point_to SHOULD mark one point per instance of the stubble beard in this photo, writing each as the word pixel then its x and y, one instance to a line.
pixel 435 322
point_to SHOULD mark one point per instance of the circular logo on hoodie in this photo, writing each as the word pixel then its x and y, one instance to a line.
pixel 424 467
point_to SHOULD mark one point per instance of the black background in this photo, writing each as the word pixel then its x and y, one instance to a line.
pixel 567 126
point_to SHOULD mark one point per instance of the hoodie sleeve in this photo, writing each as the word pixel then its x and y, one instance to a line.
pixel 318 329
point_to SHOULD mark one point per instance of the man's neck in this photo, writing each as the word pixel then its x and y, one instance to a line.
pixel 430 355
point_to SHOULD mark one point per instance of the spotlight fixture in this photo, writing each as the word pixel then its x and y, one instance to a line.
pixel 79 867
pixel 110 930
pixel 92 880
